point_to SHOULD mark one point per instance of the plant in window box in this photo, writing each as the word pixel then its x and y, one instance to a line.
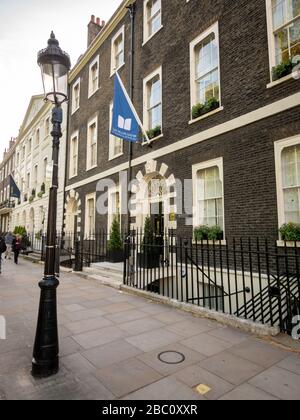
pixel 115 243
pixel 154 132
pixel 206 233
pixel 25 198
pixel 201 109
pixel 284 69
pixel 43 188
pixel 290 232
pixel 31 199
pixel 151 249
pixel 33 193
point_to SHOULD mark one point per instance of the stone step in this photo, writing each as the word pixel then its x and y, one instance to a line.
pixel 107 270
pixel 113 282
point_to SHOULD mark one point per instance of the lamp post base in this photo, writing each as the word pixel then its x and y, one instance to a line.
pixel 45 361
pixel 44 369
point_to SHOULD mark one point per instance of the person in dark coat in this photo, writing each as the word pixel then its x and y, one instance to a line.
pixel 2 250
pixel 16 247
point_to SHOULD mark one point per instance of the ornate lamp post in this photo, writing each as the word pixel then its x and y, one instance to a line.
pixel 55 65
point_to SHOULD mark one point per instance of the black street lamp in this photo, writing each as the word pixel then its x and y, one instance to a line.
pixel 55 65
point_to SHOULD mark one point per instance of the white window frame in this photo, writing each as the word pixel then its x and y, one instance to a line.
pixel 271 41
pixel 146 35
pixel 157 72
pixel 89 165
pixel 113 68
pixel 47 129
pixel 75 85
pixel 110 216
pixel 87 231
pixel 112 138
pixel 200 167
pixel 37 137
pixel 212 29
pixel 71 167
pixel 93 91
pixel 279 147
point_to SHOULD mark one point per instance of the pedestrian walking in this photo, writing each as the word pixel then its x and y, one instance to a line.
pixel 2 251
pixel 16 247
pixel 9 237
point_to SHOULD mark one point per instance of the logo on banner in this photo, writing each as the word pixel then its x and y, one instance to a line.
pixel 124 124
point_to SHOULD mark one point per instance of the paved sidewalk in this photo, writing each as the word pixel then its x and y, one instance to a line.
pixel 111 344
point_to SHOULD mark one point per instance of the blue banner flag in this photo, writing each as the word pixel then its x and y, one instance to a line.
pixel 14 190
pixel 126 124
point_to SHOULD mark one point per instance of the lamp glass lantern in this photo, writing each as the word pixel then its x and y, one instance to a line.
pixel 55 65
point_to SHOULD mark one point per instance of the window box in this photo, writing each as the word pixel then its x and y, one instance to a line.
pixel 199 110
pixel 206 233
pixel 154 132
pixel 290 232
pixel 284 69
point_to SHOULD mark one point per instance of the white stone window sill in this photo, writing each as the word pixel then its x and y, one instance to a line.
pixel 75 110
pixel 216 243
pixel 91 168
pixel 117 70
pixel 150 37
pixel 209 114
pixel 145 143
pixel 115 157
pixel 283 244
pixel 295 75
pixel 93 93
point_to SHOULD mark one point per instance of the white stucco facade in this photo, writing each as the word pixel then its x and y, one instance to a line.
pixel 34 168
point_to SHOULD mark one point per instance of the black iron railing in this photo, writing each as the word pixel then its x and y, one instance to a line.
pixel 251 279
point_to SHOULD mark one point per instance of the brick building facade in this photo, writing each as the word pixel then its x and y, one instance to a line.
pixel 7 170
pixel 239 148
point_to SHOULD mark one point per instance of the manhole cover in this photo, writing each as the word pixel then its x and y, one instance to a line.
pixel 171 357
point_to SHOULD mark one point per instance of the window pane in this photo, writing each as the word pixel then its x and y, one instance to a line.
pixel 278 12
pixel 155 92
pixel 206 56
pixel 289 167
pixel 295 38
pixel 155 117
pixel 291 204
pixel 282 46
pixel 293 8
pixel 210 197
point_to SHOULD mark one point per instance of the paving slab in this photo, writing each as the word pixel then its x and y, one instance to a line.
pixel 231 368
pixel 111 353
pixel 88 325
pixel 291 363
pixel 195 375
pixel 190 328
pixel 153 339
pixel 248 392
pixel 140 326
pixel 99 337
pixel 168 389
pixel 279 382
pixel 258 352
pixel 127 377
pixel 207 344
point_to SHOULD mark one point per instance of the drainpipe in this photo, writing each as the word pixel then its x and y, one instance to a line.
pixel 132 10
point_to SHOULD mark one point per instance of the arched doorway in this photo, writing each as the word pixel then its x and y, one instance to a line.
pixel 154 196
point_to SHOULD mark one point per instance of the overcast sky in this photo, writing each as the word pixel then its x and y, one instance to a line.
pixel 25 26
